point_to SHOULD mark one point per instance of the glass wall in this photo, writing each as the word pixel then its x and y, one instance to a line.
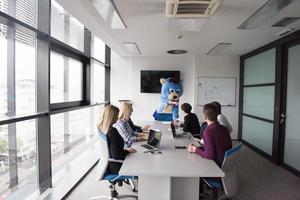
pixel 292 134
pixel 258 100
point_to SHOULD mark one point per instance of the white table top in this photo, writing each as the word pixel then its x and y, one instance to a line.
pixel 171 162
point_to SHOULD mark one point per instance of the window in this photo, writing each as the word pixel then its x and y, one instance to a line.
pixel 18 167
pixel 71 134
pixel 29 128
pixel 97 82
pixel 18 72
pixel 25 10
pixel 66 79
pixel 65 27
pixel 98 49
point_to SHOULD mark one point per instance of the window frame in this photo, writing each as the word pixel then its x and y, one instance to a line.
pixel 44 109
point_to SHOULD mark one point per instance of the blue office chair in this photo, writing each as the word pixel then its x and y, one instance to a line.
pixel 112 178
pixel 229 183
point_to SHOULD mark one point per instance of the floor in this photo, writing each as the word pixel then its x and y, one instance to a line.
pixel 259 179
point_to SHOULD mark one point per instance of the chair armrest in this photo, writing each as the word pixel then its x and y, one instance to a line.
pixel 114 160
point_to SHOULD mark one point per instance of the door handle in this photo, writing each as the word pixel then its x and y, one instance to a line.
pixel 282 118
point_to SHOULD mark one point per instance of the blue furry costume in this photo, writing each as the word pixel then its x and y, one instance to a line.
pixel 170 93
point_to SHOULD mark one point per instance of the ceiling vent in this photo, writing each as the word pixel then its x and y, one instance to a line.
pixel 285 21
pixel 191 8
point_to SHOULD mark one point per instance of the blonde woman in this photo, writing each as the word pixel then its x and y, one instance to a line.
pixel 124 128
pixel 115 141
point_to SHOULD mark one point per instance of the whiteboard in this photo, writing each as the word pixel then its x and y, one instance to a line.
pixel 221 89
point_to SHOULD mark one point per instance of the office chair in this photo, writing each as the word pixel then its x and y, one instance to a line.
pixel 229 183
pixel 112 178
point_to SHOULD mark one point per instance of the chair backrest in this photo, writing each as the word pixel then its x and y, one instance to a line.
pixel 104 155
pixel 230 181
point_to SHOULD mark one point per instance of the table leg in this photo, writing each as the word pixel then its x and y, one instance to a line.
pixel 154 187
pixel 185 188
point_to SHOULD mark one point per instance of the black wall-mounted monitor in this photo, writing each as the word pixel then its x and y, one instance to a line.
pixel 150 79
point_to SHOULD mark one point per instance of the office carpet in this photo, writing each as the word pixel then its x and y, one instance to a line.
pixel 259 179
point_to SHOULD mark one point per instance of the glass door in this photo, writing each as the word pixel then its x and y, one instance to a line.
pixel 290 118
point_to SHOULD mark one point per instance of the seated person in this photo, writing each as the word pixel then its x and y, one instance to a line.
pixel 191 123
pixel 136 128
pixel 115 141
pixel 216 137
pixel 221 117
pixel 122 125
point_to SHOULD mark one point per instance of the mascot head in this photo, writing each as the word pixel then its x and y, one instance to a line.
pixel 170 90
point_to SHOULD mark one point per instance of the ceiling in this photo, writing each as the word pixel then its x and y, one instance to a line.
pixel 148 27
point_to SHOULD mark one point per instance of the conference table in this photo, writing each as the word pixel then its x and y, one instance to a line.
pixel 173 173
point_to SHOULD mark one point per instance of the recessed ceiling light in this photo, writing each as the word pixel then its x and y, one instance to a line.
pixel 177 51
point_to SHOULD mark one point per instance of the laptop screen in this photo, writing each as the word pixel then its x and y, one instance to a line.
pixel 154 138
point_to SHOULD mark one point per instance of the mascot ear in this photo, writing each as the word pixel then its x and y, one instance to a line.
pixel 163 80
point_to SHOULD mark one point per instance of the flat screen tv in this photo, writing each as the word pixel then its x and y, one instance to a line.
pixel 150 79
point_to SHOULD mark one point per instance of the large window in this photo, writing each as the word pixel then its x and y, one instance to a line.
pixel 98 49
pixel 18 160
pixel 65 27
pixel 71 133
pixel 23 10
pixel 97 82
pixel 66 79
pixel 18 73
pixel 51 97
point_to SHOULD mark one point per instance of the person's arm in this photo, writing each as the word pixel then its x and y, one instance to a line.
pixel 186 124
pixel 128 138
pixel 208 151
pixel 117 146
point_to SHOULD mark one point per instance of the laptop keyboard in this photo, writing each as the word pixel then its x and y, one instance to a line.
pixel 146 146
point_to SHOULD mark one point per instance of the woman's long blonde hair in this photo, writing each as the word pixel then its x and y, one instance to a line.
pixel 125 111
pixel 109 117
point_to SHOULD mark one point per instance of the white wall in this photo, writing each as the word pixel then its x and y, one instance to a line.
pixel 219 66
pixel 120 85
pixel 145 103
pixel 125 81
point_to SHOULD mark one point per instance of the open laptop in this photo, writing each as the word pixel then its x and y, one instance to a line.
pixel 153 142
pixel 177 135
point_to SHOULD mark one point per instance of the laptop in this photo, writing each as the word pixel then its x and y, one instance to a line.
pixel 177 135
pixel 153 142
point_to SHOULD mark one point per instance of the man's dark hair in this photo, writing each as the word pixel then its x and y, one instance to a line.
pixel 218 106
pixel 210 112
pixel 186 107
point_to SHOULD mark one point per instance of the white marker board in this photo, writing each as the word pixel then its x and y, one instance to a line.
pixel 221 89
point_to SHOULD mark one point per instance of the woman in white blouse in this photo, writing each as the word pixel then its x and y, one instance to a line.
pixel 221 117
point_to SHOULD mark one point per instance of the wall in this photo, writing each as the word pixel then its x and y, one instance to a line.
pixel 148 103
pixel 120 85
pixel 219 66
pixel 125 81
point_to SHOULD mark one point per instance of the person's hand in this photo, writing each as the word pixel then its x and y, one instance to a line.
pixel 131 150
pixel 146 127
pixel 144 136
pixel 192 148
pixel 197 140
